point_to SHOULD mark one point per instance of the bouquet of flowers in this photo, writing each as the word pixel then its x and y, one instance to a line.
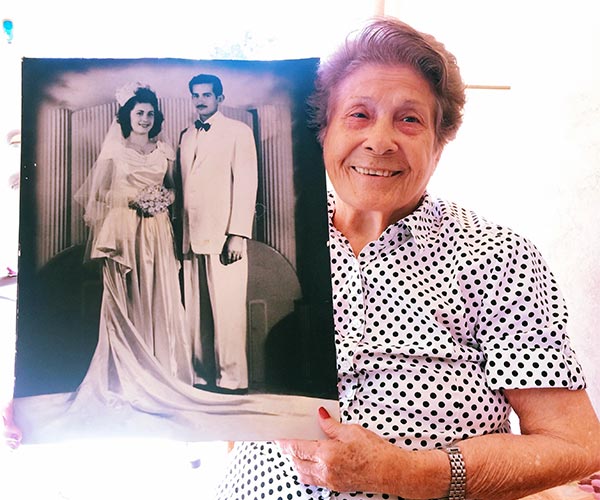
pixel 152 200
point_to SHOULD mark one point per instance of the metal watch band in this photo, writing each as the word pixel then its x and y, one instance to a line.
pixel 458 474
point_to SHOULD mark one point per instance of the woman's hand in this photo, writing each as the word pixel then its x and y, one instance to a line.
pixel 558 443
pixel 12 434
pixel 352 459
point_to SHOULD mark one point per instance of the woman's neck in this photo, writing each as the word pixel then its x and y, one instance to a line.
pixel 360 227
pixel 140 143
pixel 138 139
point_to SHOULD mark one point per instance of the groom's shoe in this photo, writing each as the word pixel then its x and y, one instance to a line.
pixel 222 390
pixel 225 390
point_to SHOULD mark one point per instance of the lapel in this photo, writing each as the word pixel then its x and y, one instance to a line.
pixel 187 150
pixel 190 153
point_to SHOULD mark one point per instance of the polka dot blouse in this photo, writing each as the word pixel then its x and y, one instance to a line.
pixel 432 321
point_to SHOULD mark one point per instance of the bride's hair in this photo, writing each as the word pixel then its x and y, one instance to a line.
pixel 141 95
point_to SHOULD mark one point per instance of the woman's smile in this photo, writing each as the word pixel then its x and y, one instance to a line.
pixel 374 172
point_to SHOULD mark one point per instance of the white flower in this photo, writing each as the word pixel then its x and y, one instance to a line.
pixel 127 91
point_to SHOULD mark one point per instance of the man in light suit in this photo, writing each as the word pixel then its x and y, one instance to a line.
pixel 218 168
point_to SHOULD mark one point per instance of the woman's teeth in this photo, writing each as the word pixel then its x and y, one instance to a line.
pixel 378 173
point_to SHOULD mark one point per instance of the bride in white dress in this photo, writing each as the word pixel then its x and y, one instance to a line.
pixel 142 338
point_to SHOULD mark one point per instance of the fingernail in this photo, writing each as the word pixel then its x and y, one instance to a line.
pixel 323 413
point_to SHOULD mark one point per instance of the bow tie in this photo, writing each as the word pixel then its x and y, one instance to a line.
pixel 201 125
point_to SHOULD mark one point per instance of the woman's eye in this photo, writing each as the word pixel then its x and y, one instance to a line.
pixel 410 119
pixel 358 114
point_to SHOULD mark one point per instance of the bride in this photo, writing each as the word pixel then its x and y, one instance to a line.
pixel 126 200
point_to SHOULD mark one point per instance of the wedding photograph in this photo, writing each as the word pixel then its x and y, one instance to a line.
pixel 174 267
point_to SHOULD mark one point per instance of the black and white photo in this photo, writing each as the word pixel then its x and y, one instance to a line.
pixel 174 262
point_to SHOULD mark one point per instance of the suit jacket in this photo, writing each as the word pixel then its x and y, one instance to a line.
pixel 219 177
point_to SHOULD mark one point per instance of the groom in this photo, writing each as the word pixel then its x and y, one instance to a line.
pixel 218 168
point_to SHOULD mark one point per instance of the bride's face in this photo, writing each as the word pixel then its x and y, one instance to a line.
pixel 142 118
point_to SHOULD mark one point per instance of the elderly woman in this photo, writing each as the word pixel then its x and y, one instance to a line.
pixel 444 321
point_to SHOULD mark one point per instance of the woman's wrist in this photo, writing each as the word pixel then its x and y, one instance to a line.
pixel 423 474
pixel 416 474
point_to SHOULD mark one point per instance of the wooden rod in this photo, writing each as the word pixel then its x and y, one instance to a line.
pixel 489 87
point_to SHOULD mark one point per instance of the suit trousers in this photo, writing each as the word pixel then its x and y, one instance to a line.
pixel 215 302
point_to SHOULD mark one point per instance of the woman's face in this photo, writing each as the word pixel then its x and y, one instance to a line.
pixel 142 118
pixel 379 146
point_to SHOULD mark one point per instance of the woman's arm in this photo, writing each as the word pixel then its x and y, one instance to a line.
pixel 560 442
pixel 169 180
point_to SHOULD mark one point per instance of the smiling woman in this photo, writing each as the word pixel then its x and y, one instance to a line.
pixel 445 322
pixel 380 148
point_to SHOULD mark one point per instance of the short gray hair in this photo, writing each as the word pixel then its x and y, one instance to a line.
pixel 388 41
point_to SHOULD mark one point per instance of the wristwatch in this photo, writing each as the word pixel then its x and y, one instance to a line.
pixel 458 474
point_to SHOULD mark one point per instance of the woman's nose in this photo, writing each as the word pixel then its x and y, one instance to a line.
pixel 381 138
